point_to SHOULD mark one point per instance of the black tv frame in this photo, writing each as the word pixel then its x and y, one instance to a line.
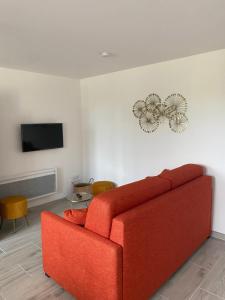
pixel 31 147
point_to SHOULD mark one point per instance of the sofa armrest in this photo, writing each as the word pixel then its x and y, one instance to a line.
pixel 84 263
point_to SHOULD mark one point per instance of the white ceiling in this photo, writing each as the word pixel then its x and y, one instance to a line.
pixel 64 37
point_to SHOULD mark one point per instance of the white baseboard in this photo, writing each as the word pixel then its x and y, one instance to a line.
pixel 218 235
pixel 40 201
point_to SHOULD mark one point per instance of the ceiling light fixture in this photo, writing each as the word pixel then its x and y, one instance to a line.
pixel 105 54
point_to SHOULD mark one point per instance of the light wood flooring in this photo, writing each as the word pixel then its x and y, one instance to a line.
pixel 22 278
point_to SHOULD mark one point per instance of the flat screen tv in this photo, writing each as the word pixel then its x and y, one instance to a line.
pixel 41 136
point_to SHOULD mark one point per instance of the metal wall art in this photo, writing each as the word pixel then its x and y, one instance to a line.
pixel 152 112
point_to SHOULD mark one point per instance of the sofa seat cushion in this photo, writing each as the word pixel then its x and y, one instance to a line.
pixel 107 205
pixel 182 175
pixel 77 216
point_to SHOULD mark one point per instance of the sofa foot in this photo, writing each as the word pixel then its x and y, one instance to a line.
pixel 47 275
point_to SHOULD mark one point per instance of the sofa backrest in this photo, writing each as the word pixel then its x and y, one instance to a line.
pixel 182 174
pixel 108 205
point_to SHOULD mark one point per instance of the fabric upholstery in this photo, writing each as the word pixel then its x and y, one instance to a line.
pixel 160 235
pixel 13 207
pixel 183 174
pixel 106 206
pixel 82 262
pixel 102 186
pixel 135 236
pixel 76 216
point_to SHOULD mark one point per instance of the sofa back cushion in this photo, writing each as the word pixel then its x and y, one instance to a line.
pixel 182 175
pixel 107 205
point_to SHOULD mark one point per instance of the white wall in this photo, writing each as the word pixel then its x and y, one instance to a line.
pixel 116 148
pixel 34 98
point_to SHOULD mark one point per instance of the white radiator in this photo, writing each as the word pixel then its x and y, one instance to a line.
pixel 33 185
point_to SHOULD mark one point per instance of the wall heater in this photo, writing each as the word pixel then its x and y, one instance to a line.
pixel 32 185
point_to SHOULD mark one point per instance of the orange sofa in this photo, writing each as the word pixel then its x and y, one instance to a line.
pixel 134 238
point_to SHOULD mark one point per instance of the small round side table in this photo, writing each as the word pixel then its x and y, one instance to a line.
pixel 85 197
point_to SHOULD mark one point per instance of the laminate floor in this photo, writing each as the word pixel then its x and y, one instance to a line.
pixel 22 278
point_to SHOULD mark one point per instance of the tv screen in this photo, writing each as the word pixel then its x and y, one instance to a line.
pixel 41 136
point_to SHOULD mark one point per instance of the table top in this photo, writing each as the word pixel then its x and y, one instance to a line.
pixel 84 197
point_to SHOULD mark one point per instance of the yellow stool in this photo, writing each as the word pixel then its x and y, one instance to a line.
pixel 12 208
pixel 102 186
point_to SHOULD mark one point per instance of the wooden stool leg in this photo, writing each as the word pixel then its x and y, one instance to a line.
pixel 14 225
pixel 1 224
pixel 26 220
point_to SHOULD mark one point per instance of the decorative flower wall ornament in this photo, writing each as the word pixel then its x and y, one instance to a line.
pixel 152 112
pixel 140 108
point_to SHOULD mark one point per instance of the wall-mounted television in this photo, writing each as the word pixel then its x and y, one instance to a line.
pixel 41 136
